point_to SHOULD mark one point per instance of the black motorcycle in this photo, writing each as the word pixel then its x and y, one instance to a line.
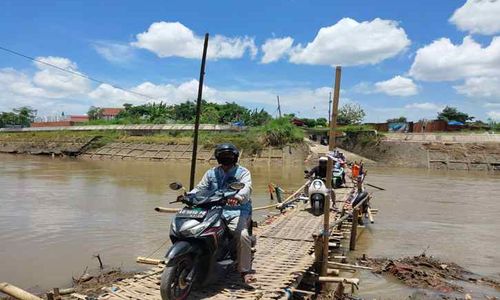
pixel 200 238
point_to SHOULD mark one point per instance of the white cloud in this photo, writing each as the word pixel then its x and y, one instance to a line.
pixel 167 39
pixel 481 87
pixel 444 61
pixel 292 100
pixel 46 87
pixel 494 115
pixel 114 52
pixel 349 43
pixel 106 95
pixel 478 16
pixel 397 86
pixel 274 49
pixel 424 106
pixel 57 82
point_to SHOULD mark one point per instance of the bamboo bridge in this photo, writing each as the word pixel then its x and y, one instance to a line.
pixel 288 249
pixel 285 252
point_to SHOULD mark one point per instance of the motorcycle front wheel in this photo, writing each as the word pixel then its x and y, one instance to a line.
pixel 174 282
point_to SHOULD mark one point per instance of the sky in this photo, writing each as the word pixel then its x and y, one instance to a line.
pixel 398 58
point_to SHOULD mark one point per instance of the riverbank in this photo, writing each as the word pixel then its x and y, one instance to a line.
pixel 452 151
pixel 255 146
pixel 270 145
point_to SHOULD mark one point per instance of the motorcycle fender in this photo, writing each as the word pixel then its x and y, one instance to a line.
pixel 178 250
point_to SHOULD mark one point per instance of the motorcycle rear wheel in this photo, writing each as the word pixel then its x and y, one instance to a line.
pixel 174 285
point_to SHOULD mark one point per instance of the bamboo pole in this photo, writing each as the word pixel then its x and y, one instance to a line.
pixel 148 261
pixel 198 112
pixel 279 205
pixel 329 168
pixel 286 201
pixel 337 264
pixel 352 242
pixel 354 281
pixel 370 216
pixel 16 292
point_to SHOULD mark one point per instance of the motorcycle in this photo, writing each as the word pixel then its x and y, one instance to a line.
pixel 338 175
pixel 200 239
pixel 318 194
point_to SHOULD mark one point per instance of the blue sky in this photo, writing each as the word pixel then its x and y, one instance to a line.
pixel 399 57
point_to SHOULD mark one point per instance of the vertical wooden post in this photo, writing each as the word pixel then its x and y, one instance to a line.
pixel 279 106
pixel 198 112
pixel 329 168
pixel 354 229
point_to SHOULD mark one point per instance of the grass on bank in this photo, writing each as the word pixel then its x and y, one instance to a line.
pixel 279 132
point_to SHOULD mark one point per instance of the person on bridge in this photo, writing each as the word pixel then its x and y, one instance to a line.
pixel 320 169
pixel 237 212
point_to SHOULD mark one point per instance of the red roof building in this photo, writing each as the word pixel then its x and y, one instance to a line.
pixel 78 118
pixel 110 113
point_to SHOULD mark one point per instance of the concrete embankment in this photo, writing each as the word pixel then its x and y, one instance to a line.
pixel 155 148
pixel 434 151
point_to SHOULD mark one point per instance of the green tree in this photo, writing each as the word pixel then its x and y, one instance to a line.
pixel 209 115
pixel 350 113
pixel 323 122
pixel 94 113
pixel 258 118
pixel 25 115
pixel 309 122
pixel 397 120
pixel 184 112
pixel 453 114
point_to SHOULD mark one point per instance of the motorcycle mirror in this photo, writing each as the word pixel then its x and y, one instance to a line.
pixel 237 185
pixel 175 186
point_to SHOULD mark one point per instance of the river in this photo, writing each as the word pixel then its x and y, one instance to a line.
pixel 55 214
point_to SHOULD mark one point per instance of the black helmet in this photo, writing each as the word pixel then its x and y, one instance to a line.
pixel 227 147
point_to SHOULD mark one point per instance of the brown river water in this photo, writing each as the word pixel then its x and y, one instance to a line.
pixel 56 214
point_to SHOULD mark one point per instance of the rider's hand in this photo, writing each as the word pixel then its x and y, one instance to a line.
pixel 233 202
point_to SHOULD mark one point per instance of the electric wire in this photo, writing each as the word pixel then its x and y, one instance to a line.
pixel 73 72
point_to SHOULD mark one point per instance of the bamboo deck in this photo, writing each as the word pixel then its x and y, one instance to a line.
pixel 284 253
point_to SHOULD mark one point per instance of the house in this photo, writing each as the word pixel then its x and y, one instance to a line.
pixel 110 113
pixel 78 118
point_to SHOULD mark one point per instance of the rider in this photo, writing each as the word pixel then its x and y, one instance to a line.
pixel 320 169
pixel 237 212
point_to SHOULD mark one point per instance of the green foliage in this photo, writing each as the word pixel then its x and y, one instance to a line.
pixel 161 113
pixel 94 113
pixel 350 113
pixel 323 122
pixel 310 123
pixel 280 132
pixel 22 116
pixel 397 120
pixel 452 114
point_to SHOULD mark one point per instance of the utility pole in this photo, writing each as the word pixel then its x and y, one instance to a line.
pixel 329 108
pixel 279 107
pixel 198 112
pixel 329 168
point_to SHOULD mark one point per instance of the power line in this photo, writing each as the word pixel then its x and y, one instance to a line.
pixel 74 72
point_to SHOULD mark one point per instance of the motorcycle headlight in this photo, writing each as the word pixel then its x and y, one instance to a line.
pixel 317 184
pixel 195 230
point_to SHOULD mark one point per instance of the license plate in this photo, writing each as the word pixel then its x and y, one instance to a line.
pixel 191 213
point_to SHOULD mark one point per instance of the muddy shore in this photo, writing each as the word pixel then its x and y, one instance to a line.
pixel 447 151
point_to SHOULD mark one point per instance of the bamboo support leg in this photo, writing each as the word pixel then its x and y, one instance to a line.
pixel 352 243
